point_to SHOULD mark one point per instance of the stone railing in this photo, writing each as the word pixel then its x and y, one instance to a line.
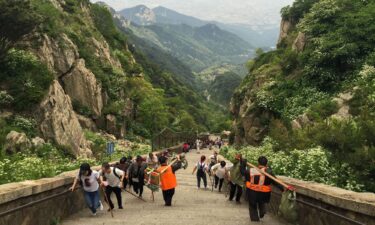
pixel 42 202
pixel 320 204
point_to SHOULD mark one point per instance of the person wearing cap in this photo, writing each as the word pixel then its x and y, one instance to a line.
pixel 168 181
pixel 135 175
pixel 236 178
pixel 89 180
pixel 258 188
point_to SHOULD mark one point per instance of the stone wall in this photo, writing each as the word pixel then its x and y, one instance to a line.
pixel 315 200
pixel 53 201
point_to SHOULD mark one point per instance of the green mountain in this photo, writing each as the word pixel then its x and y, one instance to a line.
pixel 67 70
pixel 316 90
pixel 197 47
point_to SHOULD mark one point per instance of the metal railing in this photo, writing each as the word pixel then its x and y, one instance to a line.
pixel 168 138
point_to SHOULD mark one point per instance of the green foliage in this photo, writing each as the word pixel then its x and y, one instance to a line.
pixel 223 86
pixel 82 109
pixel 5 99
pixel 297 11
pixel 312 164
pixel 27 79
pixel 17 18
pixel 322 110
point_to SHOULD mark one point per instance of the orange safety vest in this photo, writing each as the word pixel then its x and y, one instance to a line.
pixel 167 179
pixel 260 187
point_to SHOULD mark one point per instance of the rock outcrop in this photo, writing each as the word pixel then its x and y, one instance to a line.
pixel 37 141
pixel 87 123
pixel 81 85
pixel 285 26
pixel 102 52
pixel 300 42
pixel 59 54
pixel 17 142
pixel 60 123
pixel 344 109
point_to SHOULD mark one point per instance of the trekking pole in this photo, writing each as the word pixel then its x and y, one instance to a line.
pixel 106 200
pixel 268 175
pixel 212 184
pixel 135 195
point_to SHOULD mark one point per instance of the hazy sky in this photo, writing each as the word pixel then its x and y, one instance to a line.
pixel 253 12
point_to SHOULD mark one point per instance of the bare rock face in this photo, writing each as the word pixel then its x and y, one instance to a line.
pixel 60 123
pixel 87 123
pixel 59 55
pixel 103 53
pixel 284 29
pixel 344 108
pixel 37 141
pixel 301 121
pixel 17 142
pixel 81 85
pixel 300 42
pixel 111 124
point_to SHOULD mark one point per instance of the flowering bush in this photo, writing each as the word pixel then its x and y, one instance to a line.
pixel 310 164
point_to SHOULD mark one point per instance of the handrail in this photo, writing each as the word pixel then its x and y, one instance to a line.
pixel 326 211
pixel 33 203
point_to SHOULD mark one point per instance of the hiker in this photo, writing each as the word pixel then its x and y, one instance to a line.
pixel 152 161
pixel 89 180
pixel 258 188
pixel 220 172
pixel 213 161
pixel 168 181
pixel 135 175
pixel 236 178
pixel 123 165
pixel 197 144
pixel 112 179
pixel 185 147
pixel 201 168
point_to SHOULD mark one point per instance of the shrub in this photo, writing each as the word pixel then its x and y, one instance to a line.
pixel 27 78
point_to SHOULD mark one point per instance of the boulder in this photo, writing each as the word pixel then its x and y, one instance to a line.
pixel 17 142
pixel 87 123
pixel 60 123
pixel 300 42
pixel 37 141
pixel 81 85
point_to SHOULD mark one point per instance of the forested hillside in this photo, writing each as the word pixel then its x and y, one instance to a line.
pixel 313 96
pixel 67 72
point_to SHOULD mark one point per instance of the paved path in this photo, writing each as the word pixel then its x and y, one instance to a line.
pixel 190 206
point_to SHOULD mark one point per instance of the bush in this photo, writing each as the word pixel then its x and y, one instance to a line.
pixel 27 78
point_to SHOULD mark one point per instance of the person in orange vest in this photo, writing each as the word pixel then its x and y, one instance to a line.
pixel 258 188
pixel 168 181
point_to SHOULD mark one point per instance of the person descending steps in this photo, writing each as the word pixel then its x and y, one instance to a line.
pixel 89 180
pixel 168 180
pixel 201 167
pixel 112 179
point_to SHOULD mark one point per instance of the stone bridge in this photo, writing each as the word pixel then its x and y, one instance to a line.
pixel 47 202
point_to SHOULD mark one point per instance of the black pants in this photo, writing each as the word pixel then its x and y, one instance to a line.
pixel 204 178
pixel 125 182
pixel 233 189
pixel 219 182
pixel 257 209
pixel 117 191
pixel 138 188
pixel 168 195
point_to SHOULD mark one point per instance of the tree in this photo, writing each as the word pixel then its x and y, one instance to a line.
pixel 17 18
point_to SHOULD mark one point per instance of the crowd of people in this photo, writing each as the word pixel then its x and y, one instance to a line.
pixel 237 177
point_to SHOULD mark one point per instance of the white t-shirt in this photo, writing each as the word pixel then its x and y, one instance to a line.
pixel 220 171
pixel 90 183
pixel 111 178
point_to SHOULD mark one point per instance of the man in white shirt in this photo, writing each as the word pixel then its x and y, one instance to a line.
pixel 220 172
pixel 112 178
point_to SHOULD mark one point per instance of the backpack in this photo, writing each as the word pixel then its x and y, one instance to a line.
pixel 201 168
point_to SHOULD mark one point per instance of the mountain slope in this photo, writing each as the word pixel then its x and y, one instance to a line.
pixel 314 90
pixel 259 36
pixel 199 47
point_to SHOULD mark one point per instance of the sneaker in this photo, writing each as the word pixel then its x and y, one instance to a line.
pixel 101 207
pixel 93 214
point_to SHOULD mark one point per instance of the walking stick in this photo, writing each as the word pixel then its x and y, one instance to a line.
pixel 106 199
pixel 135 195
pixel 268 175
pixel 212 184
